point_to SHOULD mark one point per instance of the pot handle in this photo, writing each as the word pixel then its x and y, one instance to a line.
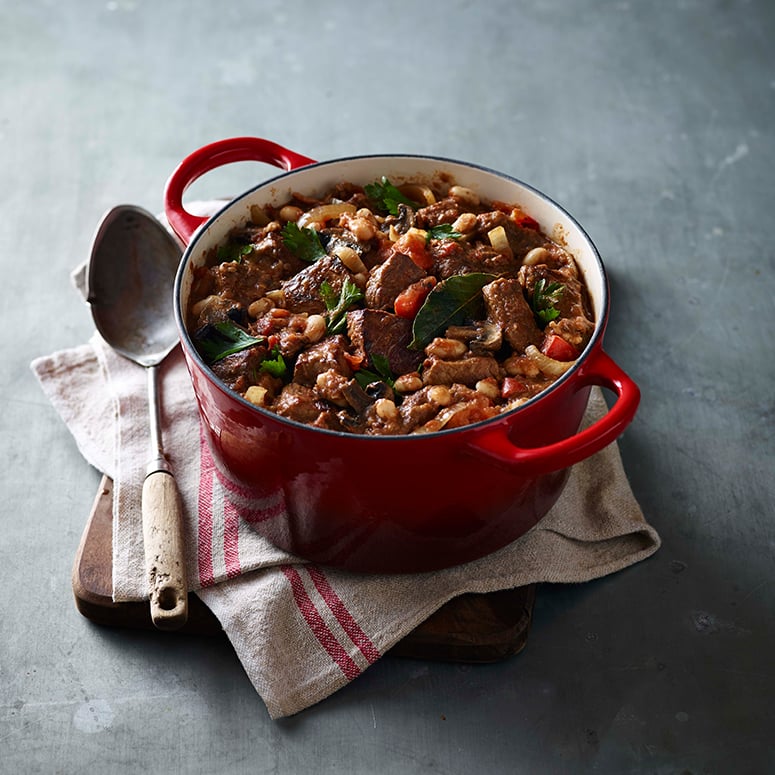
pixel 598 369
pixel 217 154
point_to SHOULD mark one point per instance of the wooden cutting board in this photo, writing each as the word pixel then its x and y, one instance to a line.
pixel 470 628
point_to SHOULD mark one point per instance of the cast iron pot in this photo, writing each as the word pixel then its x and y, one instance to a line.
pixel 393 503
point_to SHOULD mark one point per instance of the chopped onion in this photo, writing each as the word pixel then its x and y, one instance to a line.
pixel 418 193
pixel 324 213
pixel 500 241
pixel 549 366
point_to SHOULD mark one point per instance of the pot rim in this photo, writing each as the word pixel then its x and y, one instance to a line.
pixel 191 351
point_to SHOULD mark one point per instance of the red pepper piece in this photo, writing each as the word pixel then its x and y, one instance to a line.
pixel 409 301
pixel 556 347
pixel 513 388
pixel 526 222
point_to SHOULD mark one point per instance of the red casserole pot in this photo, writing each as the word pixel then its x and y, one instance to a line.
pixel 393 503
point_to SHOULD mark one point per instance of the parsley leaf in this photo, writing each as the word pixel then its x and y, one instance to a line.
pixel 337 306
pixel 386 196
pixel 303 242
pixel 544 298
pixel 442 231
pixel 365 377
pixel 275 365
pixel 233 251
pixel 217 340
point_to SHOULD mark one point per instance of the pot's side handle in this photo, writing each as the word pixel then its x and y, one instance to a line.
pixel 599 369
pixel 217 154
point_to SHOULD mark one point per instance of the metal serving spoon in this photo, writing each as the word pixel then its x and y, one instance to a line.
pixel 130 289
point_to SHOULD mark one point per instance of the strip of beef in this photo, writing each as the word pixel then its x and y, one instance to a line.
pixel 388 279
pixel 302 291
pixel 234 369
pixel 467 371
pixel 444 211
pixel 573 299
pixel 453 257
pixel 575 323
pixel 300 403
pixel 375 332
pixel 328 354
pixel 507 308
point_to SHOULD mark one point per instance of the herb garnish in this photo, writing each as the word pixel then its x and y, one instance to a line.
pixel 274 365
pixel 365 377
pixel 386 196
pixel 453 301
pixel 233 252
pixel 303 242
pixel 544 298
pixel 442 231
pixel 217 340
pixel 337 306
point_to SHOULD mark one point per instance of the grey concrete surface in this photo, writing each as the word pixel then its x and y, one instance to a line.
pixel 654 124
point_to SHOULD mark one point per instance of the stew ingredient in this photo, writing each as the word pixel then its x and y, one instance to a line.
pixel 388 309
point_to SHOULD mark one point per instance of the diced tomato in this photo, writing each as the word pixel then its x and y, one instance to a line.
pixel 409 301
pixel 556 347
pixel 526 222
pixel 355 361
pixel 512 388
pixel 412 244
pixel 272 341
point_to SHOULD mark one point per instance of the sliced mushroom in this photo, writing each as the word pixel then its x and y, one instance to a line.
pixel 482 338
pixel 379 389
pixel 489 339
pixel 356 396
pixel 405 219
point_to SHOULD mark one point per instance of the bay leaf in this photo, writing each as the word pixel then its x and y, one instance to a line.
pixel 454 301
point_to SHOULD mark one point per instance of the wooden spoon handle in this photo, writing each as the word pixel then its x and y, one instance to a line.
pixel 165 563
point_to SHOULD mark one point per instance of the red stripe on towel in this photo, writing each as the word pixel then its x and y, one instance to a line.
pixel 262 514
pixel 319 628
pixel 205 516
pixel 343 616
pixel 231 540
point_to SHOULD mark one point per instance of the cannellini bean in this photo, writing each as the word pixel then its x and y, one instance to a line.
pixel 440 395
pixel 464 194
pixel 277 296
pixel 290 213
pixel 521 366
pixel 408 383
pixel 464 223
pixel 315 329
pixel 361 225
pixel 386 409
pixel 549 366
pixel 329 386
pixel 535 256
pixel 260 306
pixel 350 259
pixel 256 394
pixel 446 349
pixel 488 387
